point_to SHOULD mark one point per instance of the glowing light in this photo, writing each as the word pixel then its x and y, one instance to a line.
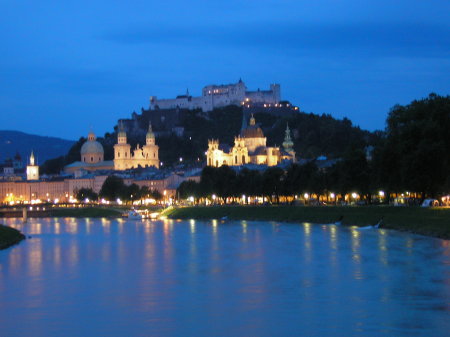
pixel 332 195
pixel 214 197
pixel 354 195
pixel 381 193
pixel 306 195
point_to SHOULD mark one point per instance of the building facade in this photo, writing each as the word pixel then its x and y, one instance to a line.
pixel 64 189
pixel 145 156
pixel 216 96
pixel 92 154
pixel 250 147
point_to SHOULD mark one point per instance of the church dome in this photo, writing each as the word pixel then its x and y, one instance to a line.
pixel 91 146
pixel 253 130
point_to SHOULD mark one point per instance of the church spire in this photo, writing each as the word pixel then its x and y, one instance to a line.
pixel 150 137
pixel 288 143
pixel 252 121
pixel 32 158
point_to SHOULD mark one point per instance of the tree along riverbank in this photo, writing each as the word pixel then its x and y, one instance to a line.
pixel 426 221
pixel 9 236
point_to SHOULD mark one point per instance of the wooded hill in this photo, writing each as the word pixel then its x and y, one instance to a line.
pixel 313 135
pixel 411 154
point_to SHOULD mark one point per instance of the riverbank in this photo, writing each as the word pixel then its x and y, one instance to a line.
pixel 74 212
pixel 9 237
pixel 433 222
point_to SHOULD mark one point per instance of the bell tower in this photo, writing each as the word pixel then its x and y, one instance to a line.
pixel 32 169
pixel 150 149
pixel 122 150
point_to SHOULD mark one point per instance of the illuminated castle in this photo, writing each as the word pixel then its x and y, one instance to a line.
pixel 214 96
pixel 250 147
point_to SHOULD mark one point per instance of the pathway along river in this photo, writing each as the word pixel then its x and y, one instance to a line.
pixel 99 277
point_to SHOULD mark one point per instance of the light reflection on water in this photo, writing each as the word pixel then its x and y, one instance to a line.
pixel 79 277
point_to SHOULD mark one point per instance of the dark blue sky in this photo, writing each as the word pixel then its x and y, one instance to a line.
pixel 68 65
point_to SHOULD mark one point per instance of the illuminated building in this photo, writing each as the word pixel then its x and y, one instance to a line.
pixel 214 96
pixel 32 169
pixel 250 147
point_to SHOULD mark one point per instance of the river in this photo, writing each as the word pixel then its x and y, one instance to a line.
pixel 101 277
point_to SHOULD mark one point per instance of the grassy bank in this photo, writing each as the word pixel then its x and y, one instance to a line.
pixel 9 236
pixel 426 221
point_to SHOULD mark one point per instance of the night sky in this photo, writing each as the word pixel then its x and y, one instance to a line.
pixel 67 65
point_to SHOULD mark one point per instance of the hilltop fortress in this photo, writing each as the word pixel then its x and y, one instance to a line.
pixel 216 96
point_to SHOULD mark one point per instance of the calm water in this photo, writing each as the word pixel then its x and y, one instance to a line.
pixel 85 277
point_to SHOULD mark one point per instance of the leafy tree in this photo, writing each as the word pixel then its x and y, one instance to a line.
pixel 189 188
pixel 86 193
pixel 272 181
pixel 130 193
pixel 113 188
pixel 416 153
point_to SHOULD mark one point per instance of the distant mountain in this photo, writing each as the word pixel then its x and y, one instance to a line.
pixel 12 142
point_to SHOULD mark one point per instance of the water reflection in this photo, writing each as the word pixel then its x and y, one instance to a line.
pixel 222 278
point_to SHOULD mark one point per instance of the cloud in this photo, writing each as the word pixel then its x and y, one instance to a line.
pixel 375 39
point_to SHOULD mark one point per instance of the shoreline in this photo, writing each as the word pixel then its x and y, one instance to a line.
pixel 434 222
pixel 9 236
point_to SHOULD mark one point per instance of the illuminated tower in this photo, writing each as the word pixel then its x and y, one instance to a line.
pixel 150 149
pixel 288 144
pixel 32 169
pixel 122 150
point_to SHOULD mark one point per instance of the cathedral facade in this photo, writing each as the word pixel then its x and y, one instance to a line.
pixel 145 156
pixel 250 147
pixel 92 154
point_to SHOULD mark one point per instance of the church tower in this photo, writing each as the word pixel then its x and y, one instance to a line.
pixel 32 169
pixel 288 144
pixel 150 149
pixel 122 150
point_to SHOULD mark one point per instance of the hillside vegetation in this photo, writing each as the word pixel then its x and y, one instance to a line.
pixel 313 135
